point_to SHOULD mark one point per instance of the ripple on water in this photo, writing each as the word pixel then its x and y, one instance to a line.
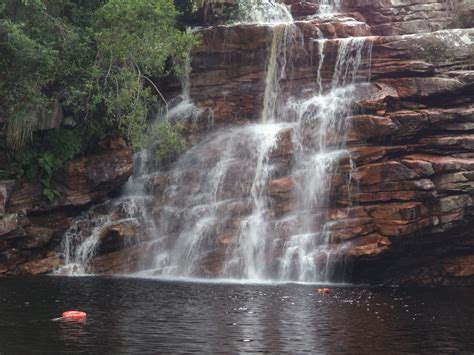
pixel 141 315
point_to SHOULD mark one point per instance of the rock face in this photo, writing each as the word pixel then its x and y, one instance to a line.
pixel 31 226
pixel 407 215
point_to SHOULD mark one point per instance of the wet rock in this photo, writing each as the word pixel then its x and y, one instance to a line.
pixel 459 267
pixel 36 237
pixel 41 265
pixel 157 184
pixel 403 17
pixel 450 203
pixel 281 188
pixel 123 261
pixel 11 258
pixel 118 235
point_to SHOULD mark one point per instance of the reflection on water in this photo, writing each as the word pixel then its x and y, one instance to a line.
pixel 138 315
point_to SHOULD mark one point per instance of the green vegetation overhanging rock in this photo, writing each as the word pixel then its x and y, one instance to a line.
pixel 97 61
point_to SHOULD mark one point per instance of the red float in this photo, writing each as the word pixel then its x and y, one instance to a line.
pixel 74 315
pixel 324 291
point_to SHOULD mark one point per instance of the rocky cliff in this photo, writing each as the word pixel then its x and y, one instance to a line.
pixel 407 213
pixel 407 216
pixel 31 226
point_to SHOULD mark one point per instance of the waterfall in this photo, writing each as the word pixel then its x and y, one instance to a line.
pixel 263 11
pixel 329 6
pixel 285 37
pixel 82 240
pixel 216 216
pixel 321 46
pixel 322 119
pixel 183 105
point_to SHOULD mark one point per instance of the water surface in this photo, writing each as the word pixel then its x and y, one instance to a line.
pixel 129 315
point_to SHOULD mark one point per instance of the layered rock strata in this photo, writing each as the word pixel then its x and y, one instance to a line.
pixel 31 227
pixel 407 215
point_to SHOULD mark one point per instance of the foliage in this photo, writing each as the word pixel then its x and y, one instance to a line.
pixel 135 41
pixel 45 155
pixel 97 59
pixel 41 54
pixel 211 11
pixel 169 139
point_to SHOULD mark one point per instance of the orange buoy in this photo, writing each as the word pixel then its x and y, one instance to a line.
pixel 74 315
pixel 324 291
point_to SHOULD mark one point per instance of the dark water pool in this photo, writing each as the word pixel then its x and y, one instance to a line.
pixel 149 316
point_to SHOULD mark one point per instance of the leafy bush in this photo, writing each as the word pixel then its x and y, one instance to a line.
pixel 169 140
pixel 96 57
pixel 45 155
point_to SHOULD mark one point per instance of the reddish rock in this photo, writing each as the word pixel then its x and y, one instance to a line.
pixel 383 172
pixel 462 266
pixel 79 183
pixel 302 8
pixel 281 188
pixel 371 245
pixel 400 228
pixel 42 265
pixel 398 211
pixel 118 235
pixel 36 237
pixel 365 127
pixel 123 261
pixel 403 17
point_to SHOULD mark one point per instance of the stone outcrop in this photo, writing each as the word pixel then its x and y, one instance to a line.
pixel 31 226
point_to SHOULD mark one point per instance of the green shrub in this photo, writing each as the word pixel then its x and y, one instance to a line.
pixel 45 155
pixel 98 59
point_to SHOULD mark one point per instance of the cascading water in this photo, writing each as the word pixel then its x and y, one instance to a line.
pixel 263 11
pixel 81 242
pixel 329 6
pixel 216 216
pixel 231 170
